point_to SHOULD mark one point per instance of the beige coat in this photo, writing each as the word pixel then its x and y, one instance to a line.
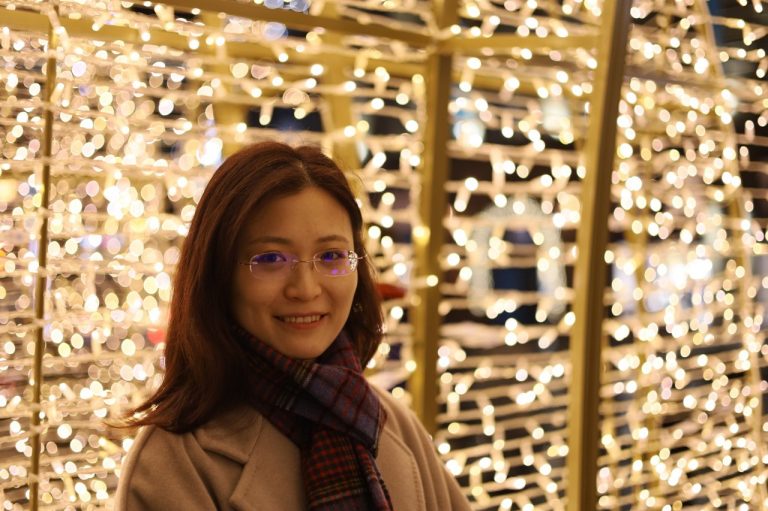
pixel 239 461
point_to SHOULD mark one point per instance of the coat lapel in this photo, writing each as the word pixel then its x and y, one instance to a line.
pixel 232 434
pixel 401 473
pixel 271 478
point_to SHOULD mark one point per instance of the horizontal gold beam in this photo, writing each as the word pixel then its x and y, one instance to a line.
pixel 505 42
pixel 31 21
pixel 24 20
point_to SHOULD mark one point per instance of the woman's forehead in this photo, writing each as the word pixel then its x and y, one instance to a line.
pixel 309 216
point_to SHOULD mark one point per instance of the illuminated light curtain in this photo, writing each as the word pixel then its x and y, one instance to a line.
pixel 149 99
pixel 681 416
pixel 683 419
pixel 519 120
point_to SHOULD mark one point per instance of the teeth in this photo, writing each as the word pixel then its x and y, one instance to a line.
pixel 301 319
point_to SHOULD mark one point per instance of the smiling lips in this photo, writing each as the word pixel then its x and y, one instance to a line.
pixel 301 320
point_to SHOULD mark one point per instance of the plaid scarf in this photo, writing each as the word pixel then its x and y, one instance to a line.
pixel 332 415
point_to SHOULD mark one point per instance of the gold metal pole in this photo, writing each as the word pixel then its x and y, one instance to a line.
pixel 589 285
pixel 428 237
pixel 42 277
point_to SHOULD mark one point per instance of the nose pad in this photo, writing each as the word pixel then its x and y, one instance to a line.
pixel 303 283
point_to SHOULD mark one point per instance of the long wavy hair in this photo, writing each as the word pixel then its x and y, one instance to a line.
pixel 204 369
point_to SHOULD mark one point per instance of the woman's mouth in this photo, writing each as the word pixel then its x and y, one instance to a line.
pixel 301 320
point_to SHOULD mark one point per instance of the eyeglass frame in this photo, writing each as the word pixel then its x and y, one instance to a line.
pixel 352 257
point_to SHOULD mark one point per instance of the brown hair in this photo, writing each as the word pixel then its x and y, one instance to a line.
pixel 203 361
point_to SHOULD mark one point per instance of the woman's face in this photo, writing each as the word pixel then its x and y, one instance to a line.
pixel 300 312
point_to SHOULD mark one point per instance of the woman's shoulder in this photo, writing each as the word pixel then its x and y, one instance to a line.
pixel 231 433
pixel 436 488
pixel 401 420
pixel 197 469
pixel 392 405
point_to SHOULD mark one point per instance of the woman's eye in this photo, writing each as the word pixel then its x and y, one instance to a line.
pixel 269 258
pixel 332 255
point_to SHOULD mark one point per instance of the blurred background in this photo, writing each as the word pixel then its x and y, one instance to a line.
pixel 517 182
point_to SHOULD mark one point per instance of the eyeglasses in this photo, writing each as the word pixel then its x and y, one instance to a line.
pixel 277 265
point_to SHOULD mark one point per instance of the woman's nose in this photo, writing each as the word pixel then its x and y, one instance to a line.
pixel 303 282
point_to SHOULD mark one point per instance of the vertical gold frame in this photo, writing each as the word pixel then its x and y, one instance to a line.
pixel 589 273
pixel 428 237
pixel 42 276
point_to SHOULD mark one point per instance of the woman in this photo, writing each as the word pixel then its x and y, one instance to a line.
pixel 274 314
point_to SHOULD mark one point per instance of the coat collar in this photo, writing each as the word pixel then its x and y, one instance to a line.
pixel 232 434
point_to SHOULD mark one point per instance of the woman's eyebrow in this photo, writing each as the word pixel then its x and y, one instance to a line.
pixel 285 241
pixel 269 239
pixel 332 237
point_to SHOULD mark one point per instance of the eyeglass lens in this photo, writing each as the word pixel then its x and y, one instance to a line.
pixel 328 262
